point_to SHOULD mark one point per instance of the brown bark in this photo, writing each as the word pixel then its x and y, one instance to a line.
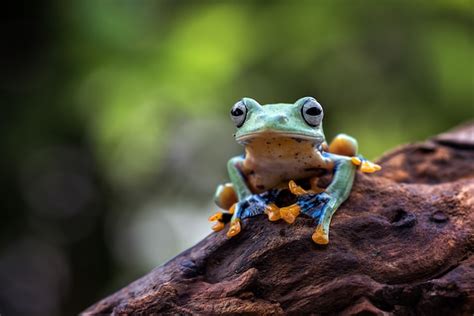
pixel 401 245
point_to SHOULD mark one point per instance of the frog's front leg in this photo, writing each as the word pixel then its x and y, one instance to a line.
pixel 248 204
pixel 336 193
pixel 242 191
pixel 240 202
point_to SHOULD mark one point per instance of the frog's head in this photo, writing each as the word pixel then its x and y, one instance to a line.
pixel 301 120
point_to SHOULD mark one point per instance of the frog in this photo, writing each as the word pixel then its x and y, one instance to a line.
pixel 284 143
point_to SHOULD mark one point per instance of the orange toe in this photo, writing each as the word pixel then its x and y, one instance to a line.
pixel 320 237
pixel 289 213
pixel 215 217
pixel 273 212
pixel 218 226
pixel 234 228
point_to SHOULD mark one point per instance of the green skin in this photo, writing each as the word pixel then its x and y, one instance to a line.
pixel 287 120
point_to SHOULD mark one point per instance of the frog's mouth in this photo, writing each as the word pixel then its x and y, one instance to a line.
pixel 269 134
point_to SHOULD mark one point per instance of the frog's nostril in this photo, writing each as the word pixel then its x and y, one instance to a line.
pixel 281 119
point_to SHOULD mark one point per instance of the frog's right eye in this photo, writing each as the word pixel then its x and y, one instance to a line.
pixel 238 113
pixel 312 112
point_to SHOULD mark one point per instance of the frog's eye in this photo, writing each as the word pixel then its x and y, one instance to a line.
pixel 238 113
pixel 312 112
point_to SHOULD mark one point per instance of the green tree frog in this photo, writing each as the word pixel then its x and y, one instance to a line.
pixel 285 144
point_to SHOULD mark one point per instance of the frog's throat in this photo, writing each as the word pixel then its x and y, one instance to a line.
pixel 246 138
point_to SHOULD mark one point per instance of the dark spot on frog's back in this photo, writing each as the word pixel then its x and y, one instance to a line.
pixel 260 186
pixel 317 171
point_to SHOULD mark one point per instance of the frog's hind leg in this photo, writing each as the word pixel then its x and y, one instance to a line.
pixel 344 145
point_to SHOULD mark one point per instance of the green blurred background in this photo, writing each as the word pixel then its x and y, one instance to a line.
pixel 115 127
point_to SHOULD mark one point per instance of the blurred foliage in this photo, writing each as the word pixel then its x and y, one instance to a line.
pixel 119 106
pixel 396 72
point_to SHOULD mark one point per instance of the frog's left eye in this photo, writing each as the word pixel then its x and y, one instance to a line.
pixel 312 112
pixel 238 113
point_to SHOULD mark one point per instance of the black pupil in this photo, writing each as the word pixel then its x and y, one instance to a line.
pixel 237 112
pixel 313 111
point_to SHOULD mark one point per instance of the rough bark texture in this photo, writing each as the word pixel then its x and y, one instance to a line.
pixel 401 245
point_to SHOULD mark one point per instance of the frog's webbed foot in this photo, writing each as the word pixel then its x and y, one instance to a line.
pixel 289 213
pixel 313 204
pixel 235 228
pixel 304 204
pixel 273 212
pixel 365 165
pixel 219 225
pixel 316 206
pixel 253 205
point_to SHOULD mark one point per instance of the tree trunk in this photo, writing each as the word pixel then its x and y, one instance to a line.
pixel 400 245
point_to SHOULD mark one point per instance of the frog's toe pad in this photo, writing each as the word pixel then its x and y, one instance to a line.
pixel 289 213
pixel 218 226
pixel 215 217
pixel 273 212
pixel 320 237
pixel 365 166
pixel 296 189
pixel 234 229
pixel 369 167
pixel 356 161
